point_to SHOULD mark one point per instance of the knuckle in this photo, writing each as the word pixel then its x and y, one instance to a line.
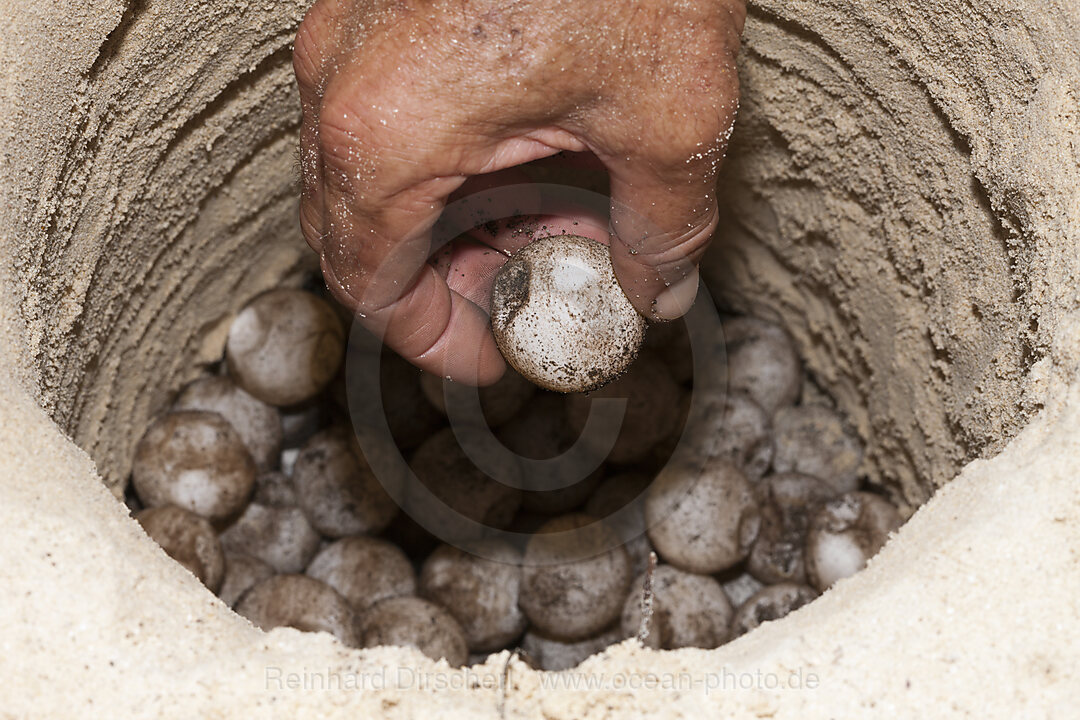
pixel 345 139
pixel 308 51
pixel 684 245
pixel 308 158
pixel 311 224
pixel 670 255
pixel 692 130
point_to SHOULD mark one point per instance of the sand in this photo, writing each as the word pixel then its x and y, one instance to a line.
pixel 903 192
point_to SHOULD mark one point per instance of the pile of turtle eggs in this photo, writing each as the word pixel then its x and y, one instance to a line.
pixel 255 481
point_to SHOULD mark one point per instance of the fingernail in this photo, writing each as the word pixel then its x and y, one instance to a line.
pixel 674 302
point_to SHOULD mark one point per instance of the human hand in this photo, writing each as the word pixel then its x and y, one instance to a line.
pixel 405 100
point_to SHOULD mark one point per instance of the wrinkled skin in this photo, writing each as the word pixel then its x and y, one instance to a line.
pixel 404 102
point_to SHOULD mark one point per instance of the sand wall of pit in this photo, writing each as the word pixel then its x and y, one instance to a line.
pixel 903 192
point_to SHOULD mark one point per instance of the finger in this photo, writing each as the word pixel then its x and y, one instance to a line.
pixel 664 163
pixel 660 230
pixel 389 164
pixel 470 266
pixel 568 216
pixel 470 270
pixel 432 327
pixel 583 224
pixel 380 205
pixel 401 298
pixel 321 30
pixel 311 196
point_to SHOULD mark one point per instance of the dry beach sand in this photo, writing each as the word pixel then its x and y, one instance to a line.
pixel 903 192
